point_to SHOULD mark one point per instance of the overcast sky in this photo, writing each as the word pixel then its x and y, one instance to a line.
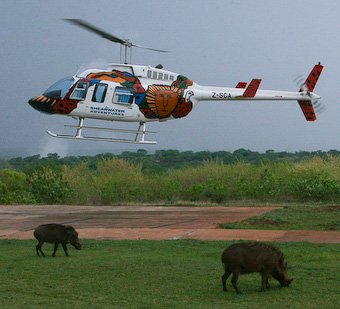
pixel 216 43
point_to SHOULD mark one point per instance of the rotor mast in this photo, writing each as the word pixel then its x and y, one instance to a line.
pixel 127 45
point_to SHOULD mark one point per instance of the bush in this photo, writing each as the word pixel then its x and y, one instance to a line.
pixel 111 180
pixel 49 187
pixel 314 187
pixel 13 188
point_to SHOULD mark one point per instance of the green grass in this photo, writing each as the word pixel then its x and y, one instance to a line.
pixel 158 274
pixel 295 217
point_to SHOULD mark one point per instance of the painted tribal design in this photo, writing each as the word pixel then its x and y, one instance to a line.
pixel 159 101
pixel 52 103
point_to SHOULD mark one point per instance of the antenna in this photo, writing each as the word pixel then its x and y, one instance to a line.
pixel 126 43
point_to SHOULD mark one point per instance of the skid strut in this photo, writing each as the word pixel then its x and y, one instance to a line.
pixel 139 134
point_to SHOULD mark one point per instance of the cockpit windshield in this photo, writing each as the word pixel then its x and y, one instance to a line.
pixel 59 89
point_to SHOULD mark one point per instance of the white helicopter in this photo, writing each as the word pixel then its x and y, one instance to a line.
pixel 139 93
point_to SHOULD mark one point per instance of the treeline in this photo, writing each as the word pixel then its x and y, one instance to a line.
pixel 108 179
pixel 162 160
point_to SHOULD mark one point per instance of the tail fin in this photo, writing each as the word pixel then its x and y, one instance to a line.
pixel 308 110
pixel 312 79
pixel 309 85
pixel 252 88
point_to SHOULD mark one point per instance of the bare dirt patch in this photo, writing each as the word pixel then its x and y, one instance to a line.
pixel 153 222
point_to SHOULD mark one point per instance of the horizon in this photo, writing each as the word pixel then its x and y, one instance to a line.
pixel 7 157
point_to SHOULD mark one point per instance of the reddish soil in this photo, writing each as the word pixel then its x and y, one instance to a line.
pixel 151 222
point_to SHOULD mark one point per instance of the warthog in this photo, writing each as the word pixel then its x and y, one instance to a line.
pixel 245 258
pixel 56 234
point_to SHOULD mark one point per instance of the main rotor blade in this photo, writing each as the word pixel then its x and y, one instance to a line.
pixel 149 48
pixel 84 24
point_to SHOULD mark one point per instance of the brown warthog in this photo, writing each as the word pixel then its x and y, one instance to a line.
pixel 56 234
pixel 245 258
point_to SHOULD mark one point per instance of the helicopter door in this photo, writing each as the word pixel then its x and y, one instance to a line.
pixel 80 93
pixel 97 103
pixel 99 93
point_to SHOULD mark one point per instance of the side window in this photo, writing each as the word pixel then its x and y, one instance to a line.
pixel 123 95
pixel 99 93
pixel 79 92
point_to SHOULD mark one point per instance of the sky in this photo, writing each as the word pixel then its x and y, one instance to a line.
pixel 216 43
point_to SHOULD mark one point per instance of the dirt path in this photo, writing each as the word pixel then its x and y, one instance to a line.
pixel 135 222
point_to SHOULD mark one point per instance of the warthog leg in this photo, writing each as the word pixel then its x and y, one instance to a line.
pixel 234 281
pixel 224 279
pixel 38 248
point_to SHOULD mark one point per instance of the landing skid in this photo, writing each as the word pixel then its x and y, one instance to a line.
pixel 139 134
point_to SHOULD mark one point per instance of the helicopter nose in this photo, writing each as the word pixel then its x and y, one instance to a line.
pixel 42 104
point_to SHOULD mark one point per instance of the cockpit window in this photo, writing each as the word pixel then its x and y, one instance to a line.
pixel 79 92
pixel 59 89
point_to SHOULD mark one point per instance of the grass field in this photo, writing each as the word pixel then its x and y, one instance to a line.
pixel 316 217
pixel 159 274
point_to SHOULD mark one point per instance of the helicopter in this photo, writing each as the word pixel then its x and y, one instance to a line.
pixel 125 92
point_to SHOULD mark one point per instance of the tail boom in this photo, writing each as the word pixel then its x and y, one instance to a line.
pixel 206 93
pixel 304 96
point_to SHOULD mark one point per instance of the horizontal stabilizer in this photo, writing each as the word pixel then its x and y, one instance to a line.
pixel 252 88
pixel 241 85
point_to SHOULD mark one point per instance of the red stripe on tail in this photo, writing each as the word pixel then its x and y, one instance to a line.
pixel 313 77
pixel 308 110
pixel 241 85
pixel 252 88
